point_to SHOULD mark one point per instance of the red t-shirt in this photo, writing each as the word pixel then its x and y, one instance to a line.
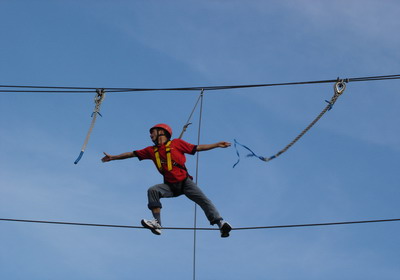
pixel 178 150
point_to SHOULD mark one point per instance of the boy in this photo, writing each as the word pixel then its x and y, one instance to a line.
pixel 169 157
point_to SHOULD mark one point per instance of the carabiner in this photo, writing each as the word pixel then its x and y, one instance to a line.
pixel 339 87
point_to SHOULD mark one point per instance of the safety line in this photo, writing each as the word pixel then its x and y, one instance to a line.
pixel 59 89
pixel 198 228
pixel 339 88
pixel 197 179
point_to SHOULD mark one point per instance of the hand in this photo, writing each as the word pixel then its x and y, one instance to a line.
pixel 223 144
pixel 106 158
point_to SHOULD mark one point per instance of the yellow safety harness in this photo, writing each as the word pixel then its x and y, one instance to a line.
pixel 169 159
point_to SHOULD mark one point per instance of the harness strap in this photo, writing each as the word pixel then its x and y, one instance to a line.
pixel 169 158
pixel 158 160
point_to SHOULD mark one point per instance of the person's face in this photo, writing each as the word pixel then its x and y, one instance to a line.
pixel 156 133
pixel 153 134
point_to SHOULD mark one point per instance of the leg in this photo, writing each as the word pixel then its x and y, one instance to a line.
pixel 194 193
pixel 154 194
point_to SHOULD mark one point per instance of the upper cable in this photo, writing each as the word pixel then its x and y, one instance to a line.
pixel 61 89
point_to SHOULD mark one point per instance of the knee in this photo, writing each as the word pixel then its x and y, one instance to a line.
pixel 153 194
pixel 152 190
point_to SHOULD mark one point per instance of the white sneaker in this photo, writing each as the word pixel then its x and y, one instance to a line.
pixel 152 225
pixel 225 229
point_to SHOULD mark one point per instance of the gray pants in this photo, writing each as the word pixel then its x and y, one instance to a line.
pixel 188 188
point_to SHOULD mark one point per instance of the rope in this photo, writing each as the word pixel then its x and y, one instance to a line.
pixel 191 114
pixel 58 89
pixel 100 95
pixel 205 229
pixel 339 88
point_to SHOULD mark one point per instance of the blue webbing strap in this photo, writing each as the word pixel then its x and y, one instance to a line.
pixel 249 155
pixel 79 157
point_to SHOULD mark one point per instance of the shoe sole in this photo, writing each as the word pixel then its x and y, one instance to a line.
pixel 225 229
pixel 150 228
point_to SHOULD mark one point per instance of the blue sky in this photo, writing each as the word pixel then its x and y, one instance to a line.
pixel 344 169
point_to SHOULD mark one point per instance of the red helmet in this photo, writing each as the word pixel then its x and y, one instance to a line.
pixel 164 126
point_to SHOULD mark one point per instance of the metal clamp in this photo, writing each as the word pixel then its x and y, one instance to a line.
pixel 339 87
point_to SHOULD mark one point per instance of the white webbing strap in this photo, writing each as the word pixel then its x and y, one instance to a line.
pixel 98 99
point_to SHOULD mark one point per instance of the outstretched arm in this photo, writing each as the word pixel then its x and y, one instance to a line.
pixel 207 147
pixel 108 157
